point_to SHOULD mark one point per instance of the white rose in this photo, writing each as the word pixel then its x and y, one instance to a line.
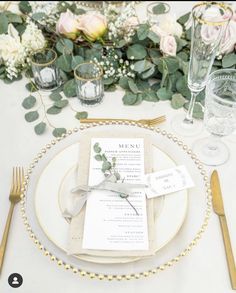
pixel 158 31
pixel 169 25
pixel 168 45
pixel 10 45
pixel 12 6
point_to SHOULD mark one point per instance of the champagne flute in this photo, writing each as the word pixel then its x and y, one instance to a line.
pixel 219 117
pixel 209 22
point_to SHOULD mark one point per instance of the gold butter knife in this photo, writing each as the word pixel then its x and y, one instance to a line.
pixel 218 207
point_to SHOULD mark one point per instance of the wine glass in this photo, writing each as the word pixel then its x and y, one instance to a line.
pixel 219 117
pixel 209 22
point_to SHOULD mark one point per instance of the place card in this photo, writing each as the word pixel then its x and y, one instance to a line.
pixel 110 222
pixel 167 181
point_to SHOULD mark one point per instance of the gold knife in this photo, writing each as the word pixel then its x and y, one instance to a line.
pixel 218 207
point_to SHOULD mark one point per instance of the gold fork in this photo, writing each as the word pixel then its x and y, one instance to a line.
pixel 149 122
pixel 15 196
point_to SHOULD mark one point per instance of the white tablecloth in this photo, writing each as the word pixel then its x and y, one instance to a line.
pixel 203 270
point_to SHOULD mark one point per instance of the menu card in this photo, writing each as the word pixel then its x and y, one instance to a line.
pixel 110 221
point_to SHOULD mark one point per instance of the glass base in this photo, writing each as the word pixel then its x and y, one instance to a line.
pixel 186 129
pixel 211 152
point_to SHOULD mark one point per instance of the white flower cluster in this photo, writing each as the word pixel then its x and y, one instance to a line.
pixel 114 66
pixel 14 51
pixel 47 7
pixel 122 22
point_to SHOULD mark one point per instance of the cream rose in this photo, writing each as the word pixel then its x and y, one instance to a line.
pixel 168 45
pixel 158 31
pixel 10 45
pixel 67 25
pixel 93 25
pixel 169 25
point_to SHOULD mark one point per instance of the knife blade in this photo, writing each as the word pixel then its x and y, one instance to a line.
pixel 218 207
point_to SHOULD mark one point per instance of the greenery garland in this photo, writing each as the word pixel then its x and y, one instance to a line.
pixel 155 77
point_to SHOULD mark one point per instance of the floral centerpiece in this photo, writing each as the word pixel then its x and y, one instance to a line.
pixel 149 62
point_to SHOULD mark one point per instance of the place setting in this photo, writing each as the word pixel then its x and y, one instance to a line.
pixel 121 198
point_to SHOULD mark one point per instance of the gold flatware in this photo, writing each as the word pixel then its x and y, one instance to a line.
pixel 218 207
pixel 15 193
pixel 149 122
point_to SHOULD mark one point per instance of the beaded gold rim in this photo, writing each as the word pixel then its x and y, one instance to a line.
pixel 118 277
pixel 88 79
pixel 221 5
pixel 47 63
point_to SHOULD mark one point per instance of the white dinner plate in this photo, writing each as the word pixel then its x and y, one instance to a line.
pixel 59 176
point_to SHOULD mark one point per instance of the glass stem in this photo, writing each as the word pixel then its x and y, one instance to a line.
pixel 189 116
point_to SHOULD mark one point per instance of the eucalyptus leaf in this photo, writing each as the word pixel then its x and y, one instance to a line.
pixel 31 116
pixel 25 7
pixel 29 102
pixel 142 65
pixel 133 87
pixel 184 18
pixel 177 101
pixel 150 96
pixel 164 94
pixel 182 86
pixel 229 60
pixel 31 87
pixel 81 115
pixel 61 103
pixel 53 110
pixel 139 99
pixel 69 88
pixel 129 98
pixel 3 23
pixel 40 128
pixel 159 9
pixel 57 132
pixel 76 60
pixel 64 63
pixel 136 52
pixel 14 18
pixel 153 37
pixel 155 55
pixel 143 31
pixel 64 46
pixel 55 96
pixel 124 82
pixel 38 16
pixel 149 73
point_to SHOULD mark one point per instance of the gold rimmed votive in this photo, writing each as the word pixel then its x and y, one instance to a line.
pixel 89 83
pixel 46 73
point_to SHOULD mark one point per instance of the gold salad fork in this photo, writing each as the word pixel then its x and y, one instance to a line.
pixel 15 196
pixel 149 122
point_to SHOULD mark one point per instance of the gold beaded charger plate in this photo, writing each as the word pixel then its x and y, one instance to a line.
pixel 60 175
pixel 198 213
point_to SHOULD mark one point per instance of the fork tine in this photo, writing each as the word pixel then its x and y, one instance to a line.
pixel 157 120
pixel 13 180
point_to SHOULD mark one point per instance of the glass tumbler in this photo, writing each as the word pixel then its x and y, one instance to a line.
pixel 219 117
pixel 46 73
pixel 157 12
pixel 89 83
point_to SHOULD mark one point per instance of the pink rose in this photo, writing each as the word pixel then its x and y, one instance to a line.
pixel 67 25
pixel 168 45
pixel 229 39
pixel 93 25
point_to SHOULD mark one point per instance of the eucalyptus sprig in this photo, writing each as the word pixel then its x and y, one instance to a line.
pixel 108 168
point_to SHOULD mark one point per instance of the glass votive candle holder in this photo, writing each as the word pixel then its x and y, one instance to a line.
pixel 46 73
pixel 157 12
pixel 89 83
